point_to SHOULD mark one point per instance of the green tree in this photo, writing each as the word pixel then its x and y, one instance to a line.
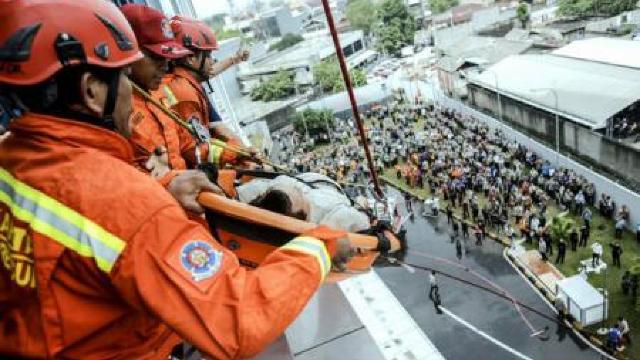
pixel 396 27
pixel 584 8
pixel 361 14
pixel 287 41
pixel 316 121
pixel 227 34
pixel 279 86
pixel 328 76
pixel 522 12
pixel 561 226
pixel 440 6
pixel 216 21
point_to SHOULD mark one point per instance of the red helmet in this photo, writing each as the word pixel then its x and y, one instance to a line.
pixel 153 31
pixel 38 38
pixel 194 34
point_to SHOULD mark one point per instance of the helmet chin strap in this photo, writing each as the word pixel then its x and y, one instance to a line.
pixel 110 101
pixel 106 119
pixel 205 77
pixel 198 70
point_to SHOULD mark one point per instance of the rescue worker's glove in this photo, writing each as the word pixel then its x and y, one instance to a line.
pixel 186 187
pixel 337 243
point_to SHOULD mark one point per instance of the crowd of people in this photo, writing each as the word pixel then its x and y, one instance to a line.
pixel 99 183
pixel 494 181
pixel 625 128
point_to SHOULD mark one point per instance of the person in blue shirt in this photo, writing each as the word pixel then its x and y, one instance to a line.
pixel 613 339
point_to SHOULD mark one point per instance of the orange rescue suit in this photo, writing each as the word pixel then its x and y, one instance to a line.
pixel 183 93
pixel 99 262
pixel 152 128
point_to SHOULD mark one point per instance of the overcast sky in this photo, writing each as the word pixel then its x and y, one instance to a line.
pixel 206 8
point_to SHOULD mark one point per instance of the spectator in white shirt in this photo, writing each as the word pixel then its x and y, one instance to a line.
pixel 596 255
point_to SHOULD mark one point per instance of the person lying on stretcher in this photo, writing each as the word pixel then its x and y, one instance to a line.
pixel 310 197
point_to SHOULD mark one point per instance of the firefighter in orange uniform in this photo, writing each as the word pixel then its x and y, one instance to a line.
pixel 97 260
pixel 182 89
pixel 160 147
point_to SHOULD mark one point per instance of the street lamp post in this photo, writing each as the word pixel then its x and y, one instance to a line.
pixel 495 77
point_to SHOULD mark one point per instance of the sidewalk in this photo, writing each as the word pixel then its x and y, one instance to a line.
pixel 543 271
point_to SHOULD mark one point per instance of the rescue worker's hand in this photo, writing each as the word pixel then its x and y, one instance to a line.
pixel 186 187
pixel 158 163
pixel 337 243
pixel 240 56
pixel 344 253
pixel 255 153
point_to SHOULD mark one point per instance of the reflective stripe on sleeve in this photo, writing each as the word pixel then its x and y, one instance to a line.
pixel 62 224
pixel 215 153
pixel 314 247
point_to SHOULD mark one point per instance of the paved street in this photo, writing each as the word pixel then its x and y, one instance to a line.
pixel 488 313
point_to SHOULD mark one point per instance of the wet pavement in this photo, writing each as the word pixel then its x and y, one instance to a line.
pixel 430 245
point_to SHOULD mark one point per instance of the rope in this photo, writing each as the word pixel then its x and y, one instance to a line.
pixel 189 128
pixel 481 287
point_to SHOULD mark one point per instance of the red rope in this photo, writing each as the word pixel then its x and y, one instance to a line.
pixel 352 97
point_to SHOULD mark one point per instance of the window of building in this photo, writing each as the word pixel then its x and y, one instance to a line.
pixel 348 51
pixel 357 46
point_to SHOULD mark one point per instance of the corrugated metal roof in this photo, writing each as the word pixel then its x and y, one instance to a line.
pixel 588 92
pixel 479 49
pixel 485 47
pixel 340 102
pixel 607 50
pixel 321 46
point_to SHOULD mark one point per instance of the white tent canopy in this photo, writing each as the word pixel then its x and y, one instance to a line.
pixel 581 300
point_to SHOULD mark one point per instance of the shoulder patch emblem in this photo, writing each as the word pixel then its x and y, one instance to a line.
pixel 200 259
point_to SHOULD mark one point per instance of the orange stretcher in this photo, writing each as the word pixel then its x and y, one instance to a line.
pixel 253 233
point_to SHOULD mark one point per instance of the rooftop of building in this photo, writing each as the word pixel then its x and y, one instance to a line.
pixel 339 102
pixel 567 26
pixel 255 110
pixel 480 50
pixel 303 53
pixel 588 92
pixel 613 51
